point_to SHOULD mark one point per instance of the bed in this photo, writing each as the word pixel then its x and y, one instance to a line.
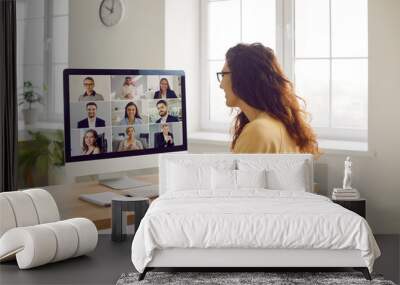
pixel 247 211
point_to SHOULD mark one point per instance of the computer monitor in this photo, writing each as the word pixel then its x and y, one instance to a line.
pixel 121 113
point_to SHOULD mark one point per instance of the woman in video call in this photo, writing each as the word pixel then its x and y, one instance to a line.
pixel 130 143
pixel 165 91
pixel 270 118
pixel 132 116
pixel 89 143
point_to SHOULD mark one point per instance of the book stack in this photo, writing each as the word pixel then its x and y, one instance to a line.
pixel 345 194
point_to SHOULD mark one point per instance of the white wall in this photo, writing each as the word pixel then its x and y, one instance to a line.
pixel 376 175
pixel 136 42
pixel 182 51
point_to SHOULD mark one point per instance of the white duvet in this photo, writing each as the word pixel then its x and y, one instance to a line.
pixel 250 218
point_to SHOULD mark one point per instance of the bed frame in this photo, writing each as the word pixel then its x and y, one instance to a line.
pixel 245 258
pixel 242 259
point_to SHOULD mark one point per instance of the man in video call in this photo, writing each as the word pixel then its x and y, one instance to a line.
pixel 165 138
pixel 92 121
pixel 90 94
pixel 128 89
pixel 162 108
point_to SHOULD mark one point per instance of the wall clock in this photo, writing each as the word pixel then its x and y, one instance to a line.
pixel 111 12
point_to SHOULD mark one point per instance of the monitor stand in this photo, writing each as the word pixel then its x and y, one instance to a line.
pixel 122 183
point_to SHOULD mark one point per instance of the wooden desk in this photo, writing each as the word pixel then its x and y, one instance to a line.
pixel 70 206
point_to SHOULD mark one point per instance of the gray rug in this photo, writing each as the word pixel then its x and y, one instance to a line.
pixel 270 278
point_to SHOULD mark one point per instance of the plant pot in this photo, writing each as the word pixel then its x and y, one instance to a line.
pixel 56 175
pixel 30 116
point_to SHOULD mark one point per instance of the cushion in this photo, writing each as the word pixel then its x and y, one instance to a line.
pixel 293 179
pixel 251 178
pixel 40 244
pixel 186 174
pixel 46 207
pixel 23 208
pixel 7 215
pixel 223 179
pixel 290 174
pixel 185 177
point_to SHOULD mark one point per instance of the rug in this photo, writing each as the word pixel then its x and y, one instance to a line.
pixel 243 278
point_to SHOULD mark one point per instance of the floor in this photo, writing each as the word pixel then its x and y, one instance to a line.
pixel 110 260
pixel 102 266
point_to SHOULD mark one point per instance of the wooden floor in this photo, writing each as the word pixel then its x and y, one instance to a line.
pixel 111 259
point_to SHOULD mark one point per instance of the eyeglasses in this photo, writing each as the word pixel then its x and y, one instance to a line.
pixel 88 84
pixel 221 75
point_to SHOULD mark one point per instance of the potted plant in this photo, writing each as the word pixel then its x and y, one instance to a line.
pixel 42 156
pixel 56 171
pixel 28 98
pixel 33 158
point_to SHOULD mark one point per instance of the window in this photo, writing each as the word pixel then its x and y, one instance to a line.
pixel 331 65
pixel 321 44
pixel 42 51
pixel 226 23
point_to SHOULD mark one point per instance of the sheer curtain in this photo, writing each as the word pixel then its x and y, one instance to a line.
pixel 8 97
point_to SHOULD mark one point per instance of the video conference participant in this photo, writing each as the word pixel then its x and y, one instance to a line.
pixel 90 94
pixel 92 121
pixel 89 143
pixel 131 115
pixel 130 143
pixel 162 108
pixel 165 138
pixel 128 90
pixel 165 91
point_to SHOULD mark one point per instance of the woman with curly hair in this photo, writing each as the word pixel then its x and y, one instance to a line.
pixel 270 118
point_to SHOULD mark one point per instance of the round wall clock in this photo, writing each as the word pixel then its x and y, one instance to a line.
pixel 111 12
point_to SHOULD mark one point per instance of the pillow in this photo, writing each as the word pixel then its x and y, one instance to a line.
pixel 293 178
pixel 183 177
pixel 282 173
pixel 223 179
pixel 251 178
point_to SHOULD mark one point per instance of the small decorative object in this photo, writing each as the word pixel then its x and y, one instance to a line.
pixel 347 174
pixel 111 12
pixel 29 97
pixel 347 192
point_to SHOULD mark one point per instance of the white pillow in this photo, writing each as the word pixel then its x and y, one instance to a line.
pixel 293 178
pixel 251 178
pixel 183 177
pixel 223 179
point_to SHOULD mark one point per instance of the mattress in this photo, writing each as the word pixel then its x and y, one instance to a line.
pixel 250 219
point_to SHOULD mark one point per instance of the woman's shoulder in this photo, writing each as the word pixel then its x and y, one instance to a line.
pixel 262 135
pixel 263 126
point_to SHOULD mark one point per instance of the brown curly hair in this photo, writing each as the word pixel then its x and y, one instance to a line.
pixel 259 81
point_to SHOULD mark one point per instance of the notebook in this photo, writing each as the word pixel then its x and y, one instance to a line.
pixel 100 199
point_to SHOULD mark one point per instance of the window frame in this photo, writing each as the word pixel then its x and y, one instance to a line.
pixel 50 98
pixel 49 70
pixel 285 51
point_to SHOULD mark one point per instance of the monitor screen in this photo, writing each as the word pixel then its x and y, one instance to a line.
pixel 111 113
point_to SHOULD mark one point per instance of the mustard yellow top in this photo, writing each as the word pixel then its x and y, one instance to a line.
pixel 265 135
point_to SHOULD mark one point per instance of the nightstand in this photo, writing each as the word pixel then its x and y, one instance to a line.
pixel 122 204
pixel 358 206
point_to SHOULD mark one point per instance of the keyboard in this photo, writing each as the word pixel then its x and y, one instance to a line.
pixel 149 191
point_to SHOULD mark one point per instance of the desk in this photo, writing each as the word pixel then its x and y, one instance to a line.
pixel 70 206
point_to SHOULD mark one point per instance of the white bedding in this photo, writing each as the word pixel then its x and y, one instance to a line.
pixel 251 218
